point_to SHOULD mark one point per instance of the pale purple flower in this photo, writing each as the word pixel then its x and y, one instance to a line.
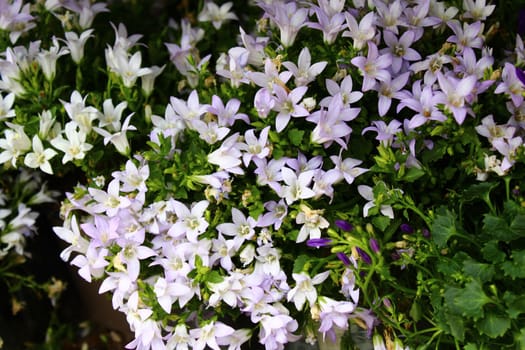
pixel 233 66
pixel 110 201
pixel 70 233
pixel 431 65
pixel 331 123
pixel 305 72
pixel 47 59
pixel 492 131
pixel 228 156
pixel 86 11
pixel 373 67
pixel 209 335
pixel 344 90
pixel 270 77
pixel 190 221
pixel 301 163
pixel 386 133
pixel 334 314
pixel 454 92
pixel 133 178
pixel 91 264
pixel 269 172
pixel 390 15
pixel 468 35
pixel 330 25
pixel 189 109
pixel 241 228
pixel 509 149
pixel 400 49
pixel 361 32
pixel 287 105
pixel 323 183
pixel 289 18
pixel 347 168
pixel 255 47
pixel 210 131
pixel 417 17
pixel 277 330
pixel 477 10
pixel 215 14
pixel 76 43
pixel 223 250
pixel 226 114
pixel 263 102
pixel 131 254
pixel 275 215
pixel 102 231
pixel 168 292
pixel 424 101
pixel 510 84
pixel 388 89
pixel 254 147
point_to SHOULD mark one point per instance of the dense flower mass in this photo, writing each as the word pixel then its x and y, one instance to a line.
pixel 303 168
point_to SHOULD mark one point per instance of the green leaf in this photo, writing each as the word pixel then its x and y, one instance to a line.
pixel 381 222
pixel 214 277
pixel 456 326
pixel 478 191
pixel 443 227
pixel 515 304
pixel 415 311
pixel 497 228
pixel 296 136
pixel 468 301
pixel 494 325
pixel 492 252
pixel 300 262
pixel 479 271
pixel 518 225
pixel 519 339
pixel 514 267
pixel 412 174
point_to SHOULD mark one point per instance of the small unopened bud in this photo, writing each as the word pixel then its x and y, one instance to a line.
pixel 364 256
pixel 344 225
pixel 374 245
pixel 406 228
pixel 343 258
pixel 318 242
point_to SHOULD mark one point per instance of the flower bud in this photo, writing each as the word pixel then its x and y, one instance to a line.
pixel 342 256
pixel 318 242
pixel 374 245
pixel 364 256
pixel 406 228
pixel 344 225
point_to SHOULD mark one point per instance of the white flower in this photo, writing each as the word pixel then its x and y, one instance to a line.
pixel 367 193
pixel 304 288
pixel 312 221
pixel 118 139
pixel 296 186
pixel 74 145
pixel 40 157
pixel 6 105
pixel 15 143
pixel 215 14
pixel 76 44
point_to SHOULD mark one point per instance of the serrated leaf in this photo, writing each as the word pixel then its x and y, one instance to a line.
pixel 514 267
pixel 492 252
pixel 494 325
pixel 515 304
pixel 469 301
pixel 478 191
pixel 497 228
pixel 443 227
pixel 479 271
pixel 519 338
pixel 457 326
pixel 214 277
pixel 518 225
pixel 471 346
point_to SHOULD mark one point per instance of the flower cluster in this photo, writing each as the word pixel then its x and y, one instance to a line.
pixel 293 172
